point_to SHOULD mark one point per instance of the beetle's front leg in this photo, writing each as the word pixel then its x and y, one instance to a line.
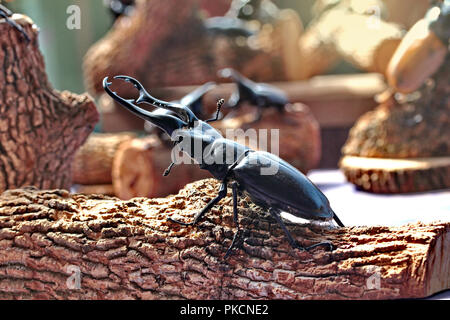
pixel 291 240
pixel 6 14
pixel 235 218
pixel 222 194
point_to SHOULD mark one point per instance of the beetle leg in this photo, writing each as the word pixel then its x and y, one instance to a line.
pixel 235 218
pixel 169 168
pixel 222 194
pixel 6 13
pixel 338 221
pixel 167 171
pixel 291 240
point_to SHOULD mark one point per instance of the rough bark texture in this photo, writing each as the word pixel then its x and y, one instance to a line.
pixel 128 249
pixel 93 161
pixel 298 143
pixel 40 128
pixel 169 48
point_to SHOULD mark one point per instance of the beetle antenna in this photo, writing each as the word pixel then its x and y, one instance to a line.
pixel 220 103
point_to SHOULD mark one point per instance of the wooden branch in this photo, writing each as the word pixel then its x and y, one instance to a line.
pixel 41 128
pixel 93 161
pixel 57 245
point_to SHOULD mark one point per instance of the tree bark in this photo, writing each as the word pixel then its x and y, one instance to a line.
pixel 57 245
pixel 93 161
pixel 40 128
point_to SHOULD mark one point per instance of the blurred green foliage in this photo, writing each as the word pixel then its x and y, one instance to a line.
pixel 64 49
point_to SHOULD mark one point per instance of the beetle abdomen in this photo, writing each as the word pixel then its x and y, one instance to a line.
pixel 272 182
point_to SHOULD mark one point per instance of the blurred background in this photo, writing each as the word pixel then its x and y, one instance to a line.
pixel 64 49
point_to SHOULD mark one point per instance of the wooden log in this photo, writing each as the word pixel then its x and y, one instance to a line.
pixel 41 128
pixel 297 141
pixel 138 167
pixel 57 245
pixel 93 161
pixel 382 175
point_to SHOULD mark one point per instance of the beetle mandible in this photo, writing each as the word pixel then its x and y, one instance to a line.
pixel 286 190
pixel 261 95
pixel 193 101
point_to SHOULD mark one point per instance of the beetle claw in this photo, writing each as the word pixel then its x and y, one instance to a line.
pixel 329 244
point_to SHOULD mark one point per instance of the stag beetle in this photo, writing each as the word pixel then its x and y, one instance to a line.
pixel 6 14
pixel 284 189
pixel 193 101
pixel 260 94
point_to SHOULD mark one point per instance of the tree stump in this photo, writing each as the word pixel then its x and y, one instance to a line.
pixel 40 128
pixel 403 146
pixel 57 245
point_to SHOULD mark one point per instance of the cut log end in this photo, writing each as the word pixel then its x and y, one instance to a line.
pixel 380 175
pixel 57 245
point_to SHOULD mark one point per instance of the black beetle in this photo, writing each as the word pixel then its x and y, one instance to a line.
pixel 6 14
pixel 261 95
pixel 283 189
pixel 228 26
